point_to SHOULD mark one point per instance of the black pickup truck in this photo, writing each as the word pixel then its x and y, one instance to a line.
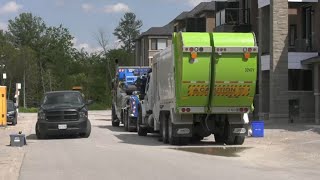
pixel 63 113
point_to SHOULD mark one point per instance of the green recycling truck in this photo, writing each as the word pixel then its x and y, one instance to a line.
pixel 202 84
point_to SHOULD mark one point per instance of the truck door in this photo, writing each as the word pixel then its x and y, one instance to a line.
pixel 234 72
pixel 193 70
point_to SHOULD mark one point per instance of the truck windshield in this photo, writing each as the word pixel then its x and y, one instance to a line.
pixel 10 106
pixel 63 98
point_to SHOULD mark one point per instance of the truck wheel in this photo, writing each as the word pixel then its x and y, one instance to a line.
pixel 88 130
pixel 175 140
pixel 115 124
pixel 196 138
pixel 239 140
pixel 229 139
pixel 114 118
pixel 219 138
pixel 141 131
pixel 14 122
pixel 125 122
pixel 130 128
pixel 164 129
pixel 39 134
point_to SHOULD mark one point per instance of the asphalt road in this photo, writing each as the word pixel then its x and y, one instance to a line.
pixel 111 153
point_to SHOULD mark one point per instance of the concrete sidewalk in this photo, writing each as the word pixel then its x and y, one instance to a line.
pixel 11 157
pixel 292 144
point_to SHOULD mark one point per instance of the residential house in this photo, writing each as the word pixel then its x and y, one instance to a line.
pixel 288 35
pixel 200 19
pixel 151 42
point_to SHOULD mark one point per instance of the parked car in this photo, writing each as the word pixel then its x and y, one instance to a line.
pixel 12 115
pixel 63 113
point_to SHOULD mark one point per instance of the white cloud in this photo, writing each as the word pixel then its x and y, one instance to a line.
pixel 86 47
pixel 3 26
pixel 60 2
pixel 116 8
pixel 194 3
pixel 10 7
pixel 87 7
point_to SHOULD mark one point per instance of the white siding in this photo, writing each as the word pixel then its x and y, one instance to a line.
pixel 294 59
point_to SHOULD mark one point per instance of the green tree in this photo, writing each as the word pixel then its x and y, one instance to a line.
pixel 52 53
pixel 26 30
pixel 128 30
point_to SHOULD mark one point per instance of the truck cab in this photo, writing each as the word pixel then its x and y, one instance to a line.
pixel 124 95
pixel 63 113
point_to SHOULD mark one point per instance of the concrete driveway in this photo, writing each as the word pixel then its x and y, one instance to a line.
pixel 112 153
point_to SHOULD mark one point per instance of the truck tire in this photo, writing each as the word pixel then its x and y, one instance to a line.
pixel 164 129
pixel 40 135
pixel 130 128
pixel 219 138
pixel 239 140
pixel 125 122
pixel 88 130
pixel 141 131
pixel 196 138
pixel 230 139
pixel 15 120
pixel 175 140
pixel 114 118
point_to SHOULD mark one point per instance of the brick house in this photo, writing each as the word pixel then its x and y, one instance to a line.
pixel 288 35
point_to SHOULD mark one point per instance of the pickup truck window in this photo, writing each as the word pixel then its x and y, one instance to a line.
pixel 63 98
pixel 10 106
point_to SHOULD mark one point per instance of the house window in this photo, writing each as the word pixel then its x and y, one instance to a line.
pixel 300 80
pixel 293 34
pixel 307 25
pixel 162 44
pixel 158 44
pixel 154 44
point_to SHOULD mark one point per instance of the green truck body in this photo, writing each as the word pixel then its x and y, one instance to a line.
pixel 226 80
pixel 202 84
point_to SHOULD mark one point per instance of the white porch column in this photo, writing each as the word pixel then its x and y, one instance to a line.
pixel 316 80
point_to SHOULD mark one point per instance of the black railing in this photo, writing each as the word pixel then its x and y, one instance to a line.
pixel 233 16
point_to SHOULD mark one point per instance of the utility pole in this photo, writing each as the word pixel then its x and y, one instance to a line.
pixel 24 89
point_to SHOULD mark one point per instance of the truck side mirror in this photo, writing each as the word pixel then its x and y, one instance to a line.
pixel 89 102
pixel 135 93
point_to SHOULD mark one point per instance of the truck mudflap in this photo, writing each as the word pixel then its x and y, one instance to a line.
pixel 238 129
pixel 182 130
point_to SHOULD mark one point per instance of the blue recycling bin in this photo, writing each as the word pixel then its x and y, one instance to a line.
pixel 257 128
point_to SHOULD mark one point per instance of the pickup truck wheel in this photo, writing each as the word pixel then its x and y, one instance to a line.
pixel 39 134
pixel 88 130
pixel 14 122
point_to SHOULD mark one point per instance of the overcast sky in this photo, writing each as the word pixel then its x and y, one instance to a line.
pixel 85 17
